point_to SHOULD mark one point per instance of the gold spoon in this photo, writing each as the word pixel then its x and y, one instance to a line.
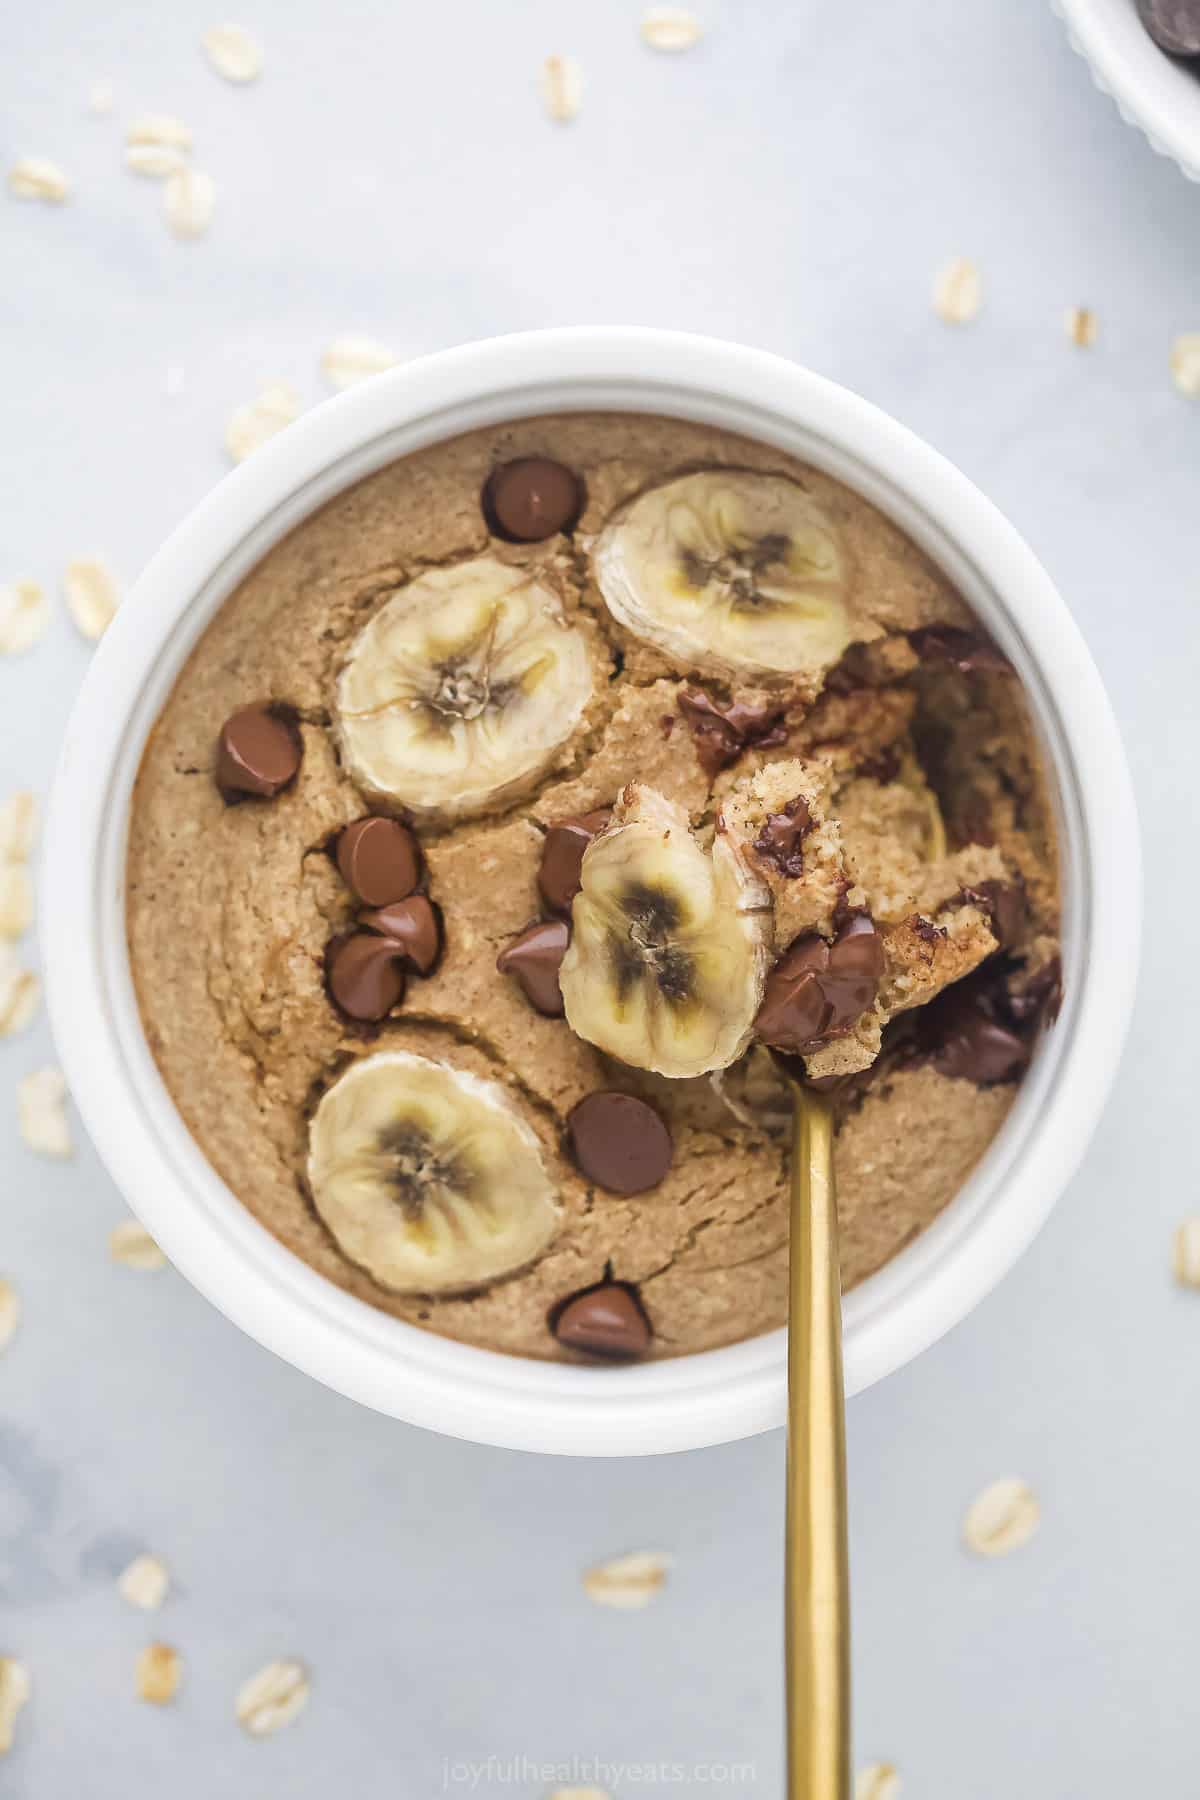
pixel 818 1574
pixel 818 1563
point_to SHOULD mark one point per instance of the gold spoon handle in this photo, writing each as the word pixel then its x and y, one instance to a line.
pixel 817 1579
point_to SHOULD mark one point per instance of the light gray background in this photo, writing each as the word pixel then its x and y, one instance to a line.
pixel 794 183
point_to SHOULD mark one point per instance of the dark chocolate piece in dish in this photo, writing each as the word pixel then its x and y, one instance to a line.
pixel 1004 902
pixel 818 989
pixel 531 499
pixel 413 925
pixel 967 651
pixel 379 860
pixel 365 975
pixel 969 1032
pixel 562 857
pixel 619 1142
pixel 722 732
pixel 258 752
pixel 604 1321
pixel 533 959
pixel 781 840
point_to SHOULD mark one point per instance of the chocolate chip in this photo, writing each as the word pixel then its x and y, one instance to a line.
pixel 1039 1000
pixel 794 1008
pixel 967 1042
pixel 817 990
pixel 605 1321
pixel 1173 24
pixel 883 767
pixel 967 651
pixel 971 818
pixel 926 930
pixel 532 498
pixel 848 674
pixel 933 742
pixel 723 732
pixel 414 925
pixel 258 752
pixel 379 860
pixel 781 840
pixel 562 857
pixel 533 959
pixel 1004 902
pixel 365 975
pixel 619 1142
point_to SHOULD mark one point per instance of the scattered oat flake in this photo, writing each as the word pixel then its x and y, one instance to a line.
pixel 580 1794
pixel 252 425
pixel 271 1699
pixel 877 1781
pixel 18 821
pixel 159 1670
pixel 562 87
pixel 24 615
pixel 144 1583
pixel 42 1113
pixel 352 359
pixel 18 993
pixel 160 128
pixel 670 28
pixel 92 594
pixel 155 160
pixel 100 98
pixel 958 291
pixel 1186 1253
pixel 1083 328
pixel 1002 1518
pixel 16 900
pixel 14 1692
pixel 131 1244
pixel 10 1312
pixel 233 53
pixel 1185 364
pixel 190 197
pixel 36 178
pixel 627 1582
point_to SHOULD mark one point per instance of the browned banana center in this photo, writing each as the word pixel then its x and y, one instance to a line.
pixel 738 570
pixel 415 1171
pixel 647 947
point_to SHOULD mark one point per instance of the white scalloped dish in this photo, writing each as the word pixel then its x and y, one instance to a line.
pixel 1152 90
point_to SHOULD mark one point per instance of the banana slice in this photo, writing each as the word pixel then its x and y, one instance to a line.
pixel 729 572
pixel 461 690
pixel 670 944
pixel 426 1176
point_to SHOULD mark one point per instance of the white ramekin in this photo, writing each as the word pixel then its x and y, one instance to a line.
pixel 401 1370
pixel 1151 89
